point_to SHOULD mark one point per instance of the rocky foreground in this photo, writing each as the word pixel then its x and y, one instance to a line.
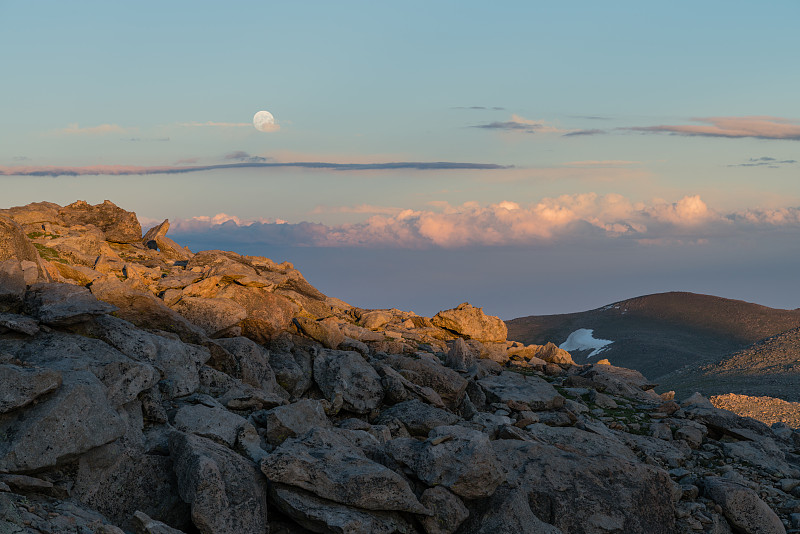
pixel 147 389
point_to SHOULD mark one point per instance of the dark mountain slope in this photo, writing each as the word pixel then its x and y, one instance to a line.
pixel 770 367
pixel 659 334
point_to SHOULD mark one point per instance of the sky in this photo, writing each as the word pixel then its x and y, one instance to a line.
pixel 527 157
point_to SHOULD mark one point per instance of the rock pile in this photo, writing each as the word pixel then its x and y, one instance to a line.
pixel 147 389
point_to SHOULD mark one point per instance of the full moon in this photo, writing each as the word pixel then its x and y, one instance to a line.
pixel 264 121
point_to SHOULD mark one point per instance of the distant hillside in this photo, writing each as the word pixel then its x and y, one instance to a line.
pixel 659 334
pixel 768 367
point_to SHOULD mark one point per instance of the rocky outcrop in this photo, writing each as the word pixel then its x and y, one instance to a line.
pixel 13 242
pixel 117 225
pixel 142 392
pixel 471 323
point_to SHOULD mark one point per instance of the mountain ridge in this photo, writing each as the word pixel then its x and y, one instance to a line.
pixel 660 333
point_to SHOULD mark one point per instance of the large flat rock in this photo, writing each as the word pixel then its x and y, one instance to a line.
pixel 331 467
pixel 531 390
pixel 77 418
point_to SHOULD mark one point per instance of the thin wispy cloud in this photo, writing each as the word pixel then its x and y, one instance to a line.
pixel 603 163
pixel 551 220
pixel 593 131
pixel 212 124
pixel 241 155
pixel 765 161
pixel 122 170
pixel 590 117
pixel 146 139
pixel 493 108
pixel 522 125
pixel 759 127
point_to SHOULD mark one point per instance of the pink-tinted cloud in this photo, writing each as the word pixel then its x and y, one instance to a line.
pixel 101 129
pixel 204 221
pixel 687 211
pixel 761 127
pixel 569 217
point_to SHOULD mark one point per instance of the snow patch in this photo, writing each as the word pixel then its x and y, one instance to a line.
pixel 582 339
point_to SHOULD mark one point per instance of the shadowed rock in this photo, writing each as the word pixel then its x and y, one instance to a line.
pixel 419 418
pixel 20 386
pixel 742 507
pixel 448 511
pixel 63 304
pixel 325 516
pixel 509 510
pixel 12 286
pixel 328 465
pixel 18 323
pixel 532 390
pixel 291 420
pixel 428 373
pixel 214 423
pixel 76 419
pixel 226 492
pixel 460 357
pixel 250 363
pixel 347 374
pixel 455 457
pixel 583 490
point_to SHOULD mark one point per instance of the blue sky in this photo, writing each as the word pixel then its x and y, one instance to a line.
pixel 626 126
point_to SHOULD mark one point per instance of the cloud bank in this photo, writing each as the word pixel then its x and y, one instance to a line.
pixel 759 127
pixel 565 218
pixel 248 163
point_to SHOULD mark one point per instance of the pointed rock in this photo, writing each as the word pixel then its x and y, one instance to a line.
pixel 460 357
pixel 160 230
